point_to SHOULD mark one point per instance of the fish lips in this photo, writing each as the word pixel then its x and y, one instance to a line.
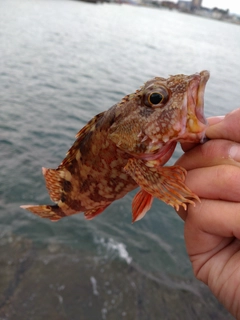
pixel 194 121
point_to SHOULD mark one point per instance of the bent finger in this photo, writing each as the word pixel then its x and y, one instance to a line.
pixel 213 218
pixel 213 152
pixel 217 183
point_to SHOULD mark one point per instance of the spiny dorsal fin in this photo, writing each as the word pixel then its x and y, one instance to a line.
pixel 90 126
pixel 86 130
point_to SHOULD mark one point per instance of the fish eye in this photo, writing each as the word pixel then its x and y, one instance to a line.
pixel 155 98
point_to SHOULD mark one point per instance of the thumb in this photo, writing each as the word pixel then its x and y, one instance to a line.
pixel 227 129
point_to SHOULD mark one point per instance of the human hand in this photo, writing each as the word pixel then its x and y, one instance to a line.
pixel 212 227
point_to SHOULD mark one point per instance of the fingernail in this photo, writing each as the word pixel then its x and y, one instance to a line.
pixel 234 153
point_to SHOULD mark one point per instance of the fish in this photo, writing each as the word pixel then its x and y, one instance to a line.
pixel 126 147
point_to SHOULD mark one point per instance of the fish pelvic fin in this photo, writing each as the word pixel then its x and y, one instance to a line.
pixel 164 183
pixel 142 202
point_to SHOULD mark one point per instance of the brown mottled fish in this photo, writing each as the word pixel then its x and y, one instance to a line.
pixel 126 147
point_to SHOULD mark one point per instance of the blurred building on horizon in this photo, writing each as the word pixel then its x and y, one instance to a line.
pixel 196 4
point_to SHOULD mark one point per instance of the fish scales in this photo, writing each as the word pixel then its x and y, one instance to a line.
pixel 126 147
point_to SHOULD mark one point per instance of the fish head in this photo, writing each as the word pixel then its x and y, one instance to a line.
pixel 165 110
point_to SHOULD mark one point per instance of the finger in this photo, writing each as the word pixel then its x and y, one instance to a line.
pixel 226 129
pixel 211 121
pixel 215 120
pixel 188 146
pixel 218 183
pixel 214 218
pixel 212 234
pixel 213 152
pixel 182 213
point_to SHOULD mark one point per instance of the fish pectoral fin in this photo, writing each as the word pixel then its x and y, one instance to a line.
pixel 164 183
pixel 92 213
pixel 142 202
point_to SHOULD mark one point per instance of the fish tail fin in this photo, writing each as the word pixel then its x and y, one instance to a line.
pixel 53 183
pixel 52 212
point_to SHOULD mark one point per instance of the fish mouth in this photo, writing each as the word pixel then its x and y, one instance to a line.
pixel 195 121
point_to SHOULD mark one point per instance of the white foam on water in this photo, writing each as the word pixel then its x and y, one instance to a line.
pixel 94 285
pixel 113 246
pixel 120 248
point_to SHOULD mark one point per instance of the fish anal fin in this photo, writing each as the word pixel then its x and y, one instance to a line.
pixel 164 183
pixel 92 213
pixel 142 202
